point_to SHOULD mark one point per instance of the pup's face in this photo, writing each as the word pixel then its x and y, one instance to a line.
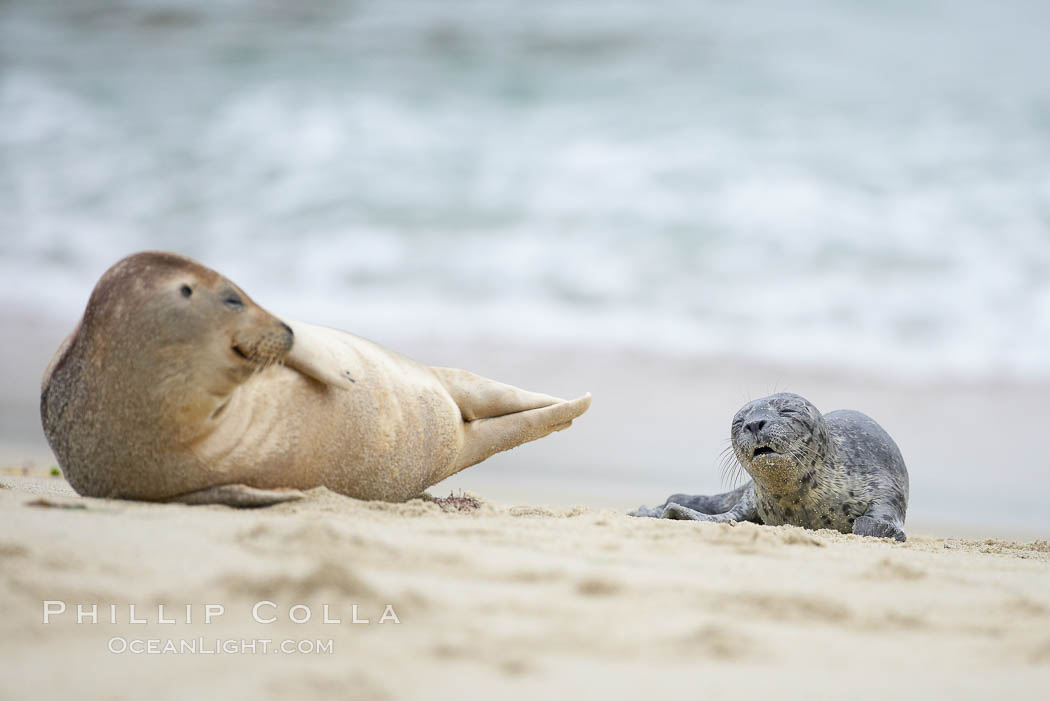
pixel 776 437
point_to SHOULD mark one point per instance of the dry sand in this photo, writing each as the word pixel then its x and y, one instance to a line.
pixel 506 602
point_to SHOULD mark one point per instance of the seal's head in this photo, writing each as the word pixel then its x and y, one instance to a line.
pixel 185 315
pixel 778 439
pixel 166 340
pixel 163 348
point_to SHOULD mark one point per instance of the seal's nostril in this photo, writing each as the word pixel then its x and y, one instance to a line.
pixel 753 427
pixel 288 328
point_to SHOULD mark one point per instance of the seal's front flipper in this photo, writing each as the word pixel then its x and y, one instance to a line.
pixel 684 513
pixel 318 352
pixel 485 437
pixel 238 495
pixel 703 504
pixel 743 501
pixel 647 512
pixel 866 525
pixel 713 504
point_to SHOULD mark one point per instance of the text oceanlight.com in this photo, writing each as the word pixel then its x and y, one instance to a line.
pixel 218 646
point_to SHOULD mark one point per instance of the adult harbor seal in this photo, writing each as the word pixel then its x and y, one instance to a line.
pixel 839 470
pixel 176 386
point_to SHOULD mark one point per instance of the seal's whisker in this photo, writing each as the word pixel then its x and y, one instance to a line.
pixel 739 474
pixel 731 469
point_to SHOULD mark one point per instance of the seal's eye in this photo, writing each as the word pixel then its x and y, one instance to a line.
pixel 234 302
pixel 187 291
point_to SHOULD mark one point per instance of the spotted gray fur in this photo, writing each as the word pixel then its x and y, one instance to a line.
pixel 839 470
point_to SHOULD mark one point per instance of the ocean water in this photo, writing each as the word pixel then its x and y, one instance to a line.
pixel 835 183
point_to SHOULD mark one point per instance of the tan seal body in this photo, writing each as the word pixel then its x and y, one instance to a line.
pixel 176 386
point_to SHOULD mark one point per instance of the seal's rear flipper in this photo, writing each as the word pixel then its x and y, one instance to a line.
pixel 485 437
pixel 238 495
pixel 481 398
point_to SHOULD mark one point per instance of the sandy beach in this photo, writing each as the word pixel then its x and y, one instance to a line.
pixel 499 601
pixel 546 588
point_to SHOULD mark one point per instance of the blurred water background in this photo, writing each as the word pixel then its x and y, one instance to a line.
pixel 835 183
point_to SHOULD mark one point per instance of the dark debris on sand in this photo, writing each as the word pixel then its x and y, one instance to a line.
pixel 452 502
pixel 49 504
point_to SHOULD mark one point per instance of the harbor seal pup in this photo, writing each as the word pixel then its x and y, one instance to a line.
pixel 176 386
pixel 839 470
